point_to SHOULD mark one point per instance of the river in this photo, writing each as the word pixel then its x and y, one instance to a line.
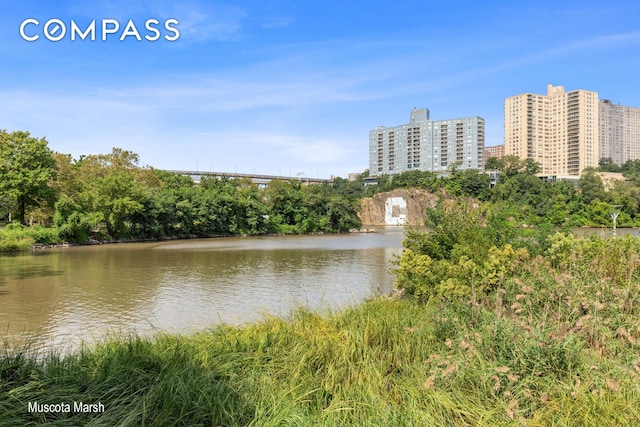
pixel 58 298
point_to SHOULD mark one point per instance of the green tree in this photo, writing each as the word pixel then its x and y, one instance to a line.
pixel 627 195
pixel 451 225
pixel 72 222
pixel 591 186
pixel 605 164
pixel 118 197
pixel 351 189
pixel 598 213
pixel 285 202
pixel 631 168
pixel 494 163
pixel 513 165
pixel 6 206
pixel 341 214
pixel 27 169
pixel 472 182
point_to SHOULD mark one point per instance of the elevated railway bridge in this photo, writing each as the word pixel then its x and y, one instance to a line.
pixel 260 180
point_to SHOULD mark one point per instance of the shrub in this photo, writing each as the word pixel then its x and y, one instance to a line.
pixel 10 245
pixel 422 276
pixel 457 256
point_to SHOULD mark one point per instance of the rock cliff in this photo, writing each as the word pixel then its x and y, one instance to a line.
pixel 398 207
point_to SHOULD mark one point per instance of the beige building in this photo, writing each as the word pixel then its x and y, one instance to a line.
pixel 619 132
pixel 558 130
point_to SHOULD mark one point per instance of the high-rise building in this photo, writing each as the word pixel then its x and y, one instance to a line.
pixel 558 130
pixel 427 145
pixel 619 132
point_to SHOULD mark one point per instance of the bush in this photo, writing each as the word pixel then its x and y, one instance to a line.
pixel 458 256
pixel 614 260
pixel 422 276
pixel 11 245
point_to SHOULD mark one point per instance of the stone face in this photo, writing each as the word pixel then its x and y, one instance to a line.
pixel 395 211
pixel 397 207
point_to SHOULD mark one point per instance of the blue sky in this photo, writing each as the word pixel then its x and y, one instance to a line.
pixel 286 87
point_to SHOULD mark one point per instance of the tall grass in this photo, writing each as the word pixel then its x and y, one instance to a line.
pixel 17 238
pixel 14 245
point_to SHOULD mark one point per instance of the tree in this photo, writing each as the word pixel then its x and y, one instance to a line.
pixel 118 197
pixel 27 169
pixel 631 169
pixel 605 164
pixel 530 167
pixel 591 186
pixel 472 182
pixel 513 165
pixel 285 202
pixel 494 163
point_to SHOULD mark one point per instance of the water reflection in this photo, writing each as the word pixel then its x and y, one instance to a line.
pixel 85 292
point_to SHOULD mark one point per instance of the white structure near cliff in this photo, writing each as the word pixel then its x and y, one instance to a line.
pixel 398 207
pixel 395 212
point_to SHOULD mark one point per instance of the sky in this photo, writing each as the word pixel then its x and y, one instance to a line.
pixel 293 88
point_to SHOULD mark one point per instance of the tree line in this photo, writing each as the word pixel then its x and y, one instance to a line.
pixel 111 196
pixel 520 194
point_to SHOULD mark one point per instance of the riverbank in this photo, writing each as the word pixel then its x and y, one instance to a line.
pixel 21 239
pixel 541 351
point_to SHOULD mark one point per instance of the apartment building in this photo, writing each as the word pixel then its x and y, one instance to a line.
pixel 559 130
pixel 427 145
pixel 496 151
pixel 619 132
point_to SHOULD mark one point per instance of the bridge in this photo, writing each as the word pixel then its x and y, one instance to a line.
pixel 261 180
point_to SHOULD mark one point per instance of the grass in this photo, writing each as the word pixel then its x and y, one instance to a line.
pixel 556 344
pixel 15 245
pixel 17 238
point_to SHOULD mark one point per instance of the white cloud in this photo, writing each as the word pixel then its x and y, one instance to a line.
pixel 270 22
pixel 198 20
pixel 221 23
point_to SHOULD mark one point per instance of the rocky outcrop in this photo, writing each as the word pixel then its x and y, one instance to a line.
pixel 398 207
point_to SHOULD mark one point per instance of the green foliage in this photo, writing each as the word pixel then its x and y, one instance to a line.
pixel 425 278
pixel 73 224
pixel 9 244
pixel 304 209
pixel 351 190
pixel 494 163
pixel 18 238
pixel 472 182
pixel 451 225
pixel 409 179
pixel 614 260
pixel 285 202
pixel 513 165
pixel 458 257
pixel 598 213
pixel 110 196
pixel 591 186
pixel 27 168
pixel 631 169
pixel 606 165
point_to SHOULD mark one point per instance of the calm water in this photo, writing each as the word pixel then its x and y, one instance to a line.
pixel 62 296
